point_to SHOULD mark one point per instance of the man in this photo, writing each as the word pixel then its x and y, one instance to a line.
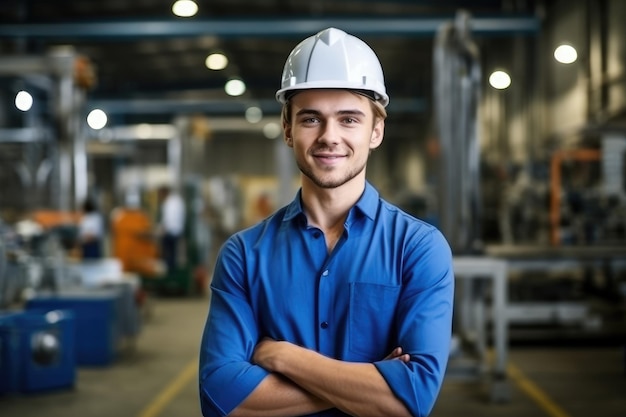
pixel 171 225
pixel 339 303
pixel 90 231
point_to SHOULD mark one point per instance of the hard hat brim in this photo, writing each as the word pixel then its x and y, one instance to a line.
pixel 284 94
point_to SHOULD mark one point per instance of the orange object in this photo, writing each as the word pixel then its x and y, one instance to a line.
pixel 84 73
pixel 200 277
pixel 587 155
pixel 53 218
pixel 133 242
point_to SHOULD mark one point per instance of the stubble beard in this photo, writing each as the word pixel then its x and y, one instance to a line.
pixel 329 183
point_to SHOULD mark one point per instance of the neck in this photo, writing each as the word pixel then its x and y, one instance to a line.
pixel 327 208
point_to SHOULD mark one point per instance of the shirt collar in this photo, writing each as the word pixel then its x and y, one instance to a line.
pixel 367 204
pixel 294 209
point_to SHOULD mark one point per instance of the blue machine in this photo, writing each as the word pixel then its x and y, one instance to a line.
pixel 37 350
pixel 98 316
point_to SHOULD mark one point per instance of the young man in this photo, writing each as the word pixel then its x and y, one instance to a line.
pixel 339 303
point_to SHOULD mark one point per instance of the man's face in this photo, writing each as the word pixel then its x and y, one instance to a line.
pixel 332 133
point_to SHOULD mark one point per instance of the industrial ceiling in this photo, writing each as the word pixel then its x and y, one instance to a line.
pixel 150 64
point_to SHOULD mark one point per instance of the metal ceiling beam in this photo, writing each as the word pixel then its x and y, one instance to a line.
pixel 224 107
pixel 385 26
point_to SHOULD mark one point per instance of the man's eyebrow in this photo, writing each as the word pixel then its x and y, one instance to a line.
pixel 353 112
pixel 308 112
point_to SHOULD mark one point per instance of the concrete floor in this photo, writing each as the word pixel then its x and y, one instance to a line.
pixel 158 377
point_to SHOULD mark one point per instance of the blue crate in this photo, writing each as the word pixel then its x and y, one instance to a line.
pixel 37 351
pixel 96 312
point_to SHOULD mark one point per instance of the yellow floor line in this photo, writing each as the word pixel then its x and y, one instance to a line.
pixel 535 393
pixel 169 392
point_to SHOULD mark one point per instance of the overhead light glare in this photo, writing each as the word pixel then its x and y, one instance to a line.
pixel 499 80
pixel 144 131
pixel 216 62
pixel 23 100
pixel 235 87
pixel 271 130
pixel 565 54
pixel 254 114
pixel 185 8
pixel 97 119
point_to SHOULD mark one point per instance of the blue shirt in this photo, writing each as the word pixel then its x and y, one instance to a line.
pixel 388 282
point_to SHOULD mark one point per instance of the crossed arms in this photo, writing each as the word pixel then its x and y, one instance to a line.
pixel 303 381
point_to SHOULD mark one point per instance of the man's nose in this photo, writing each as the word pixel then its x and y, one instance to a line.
pixel 329 133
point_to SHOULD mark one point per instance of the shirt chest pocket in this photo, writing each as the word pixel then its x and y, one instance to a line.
pixel 371 322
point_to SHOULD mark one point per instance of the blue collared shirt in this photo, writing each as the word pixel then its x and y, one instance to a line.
pixel 388 282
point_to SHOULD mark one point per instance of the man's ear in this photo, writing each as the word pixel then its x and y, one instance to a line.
pixel 287 135
pixel 377 134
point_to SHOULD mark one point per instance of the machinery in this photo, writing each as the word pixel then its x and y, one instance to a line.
pixel 36 347
pixel 37 351
pixel 559 265
pixel 456 93
pixel 558 222
pixel 457 73
pixel 564 233
pixel 43 149
pixel 58 313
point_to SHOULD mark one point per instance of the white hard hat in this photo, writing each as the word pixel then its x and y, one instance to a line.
pixel 333 59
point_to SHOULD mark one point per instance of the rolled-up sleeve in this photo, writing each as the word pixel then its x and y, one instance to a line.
pixel 226 376
pixel 424 320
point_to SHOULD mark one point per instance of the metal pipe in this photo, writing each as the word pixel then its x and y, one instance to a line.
pixel 415 26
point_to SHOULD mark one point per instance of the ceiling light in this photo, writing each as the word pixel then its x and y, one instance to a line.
pixel 254 114
pixel 565 54
pixel 97 119
pixel 185 8
pixel 235 87
pixel 499 80
pixel 271 130
pixel 23 101
pixel 144 131
pixel 216 62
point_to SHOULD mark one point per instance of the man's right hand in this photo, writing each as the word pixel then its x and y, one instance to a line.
pixel 397 354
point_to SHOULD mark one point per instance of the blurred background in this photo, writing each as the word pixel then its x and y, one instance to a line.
pixel 506 129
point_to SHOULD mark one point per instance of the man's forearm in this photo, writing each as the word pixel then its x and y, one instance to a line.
pixel 355 388
pixel 277 396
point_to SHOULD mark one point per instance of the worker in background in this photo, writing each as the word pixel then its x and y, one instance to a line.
pixel 171 225
pixel 90 231
pixel 339 303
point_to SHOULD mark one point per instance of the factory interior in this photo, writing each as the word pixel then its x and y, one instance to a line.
pixel 506 129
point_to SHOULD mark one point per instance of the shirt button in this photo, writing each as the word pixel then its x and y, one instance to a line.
pixel 325 273
pixel 317 235
pixel 324 325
